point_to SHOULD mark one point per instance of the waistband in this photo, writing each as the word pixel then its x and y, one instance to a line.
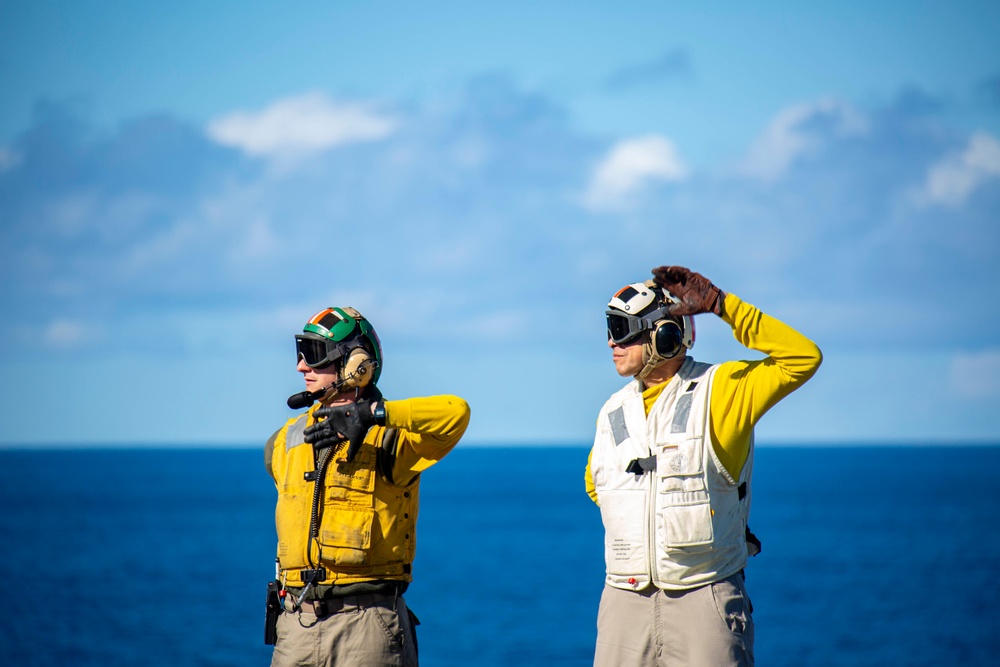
pixel 346 603
pixel 330 591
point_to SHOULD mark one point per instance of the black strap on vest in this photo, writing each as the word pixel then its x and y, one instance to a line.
pixel 753 543
pixel 385 459
pixel 642 466
pixel 386 455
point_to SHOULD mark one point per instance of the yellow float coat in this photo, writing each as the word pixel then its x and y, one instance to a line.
pixel 366 527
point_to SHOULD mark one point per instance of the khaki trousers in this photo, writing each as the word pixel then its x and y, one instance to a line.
pixel 710 626
pixel 361 631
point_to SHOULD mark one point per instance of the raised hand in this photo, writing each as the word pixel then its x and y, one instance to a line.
pixel 342 421
pixel 696 292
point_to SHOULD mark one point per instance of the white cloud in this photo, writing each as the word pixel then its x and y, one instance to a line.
pixel 305 124
pixel 976 375
pixel 789 136
pixel 630 165
pixel 953 179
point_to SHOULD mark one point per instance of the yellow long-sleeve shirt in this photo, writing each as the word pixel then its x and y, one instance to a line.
pixel 431 427
pixel 743 391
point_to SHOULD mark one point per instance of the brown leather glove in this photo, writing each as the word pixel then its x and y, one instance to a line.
pixel 696 292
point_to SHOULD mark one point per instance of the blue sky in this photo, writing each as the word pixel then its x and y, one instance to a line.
pixel 183 184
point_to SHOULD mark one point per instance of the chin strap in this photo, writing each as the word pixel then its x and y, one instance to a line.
pixel 650 358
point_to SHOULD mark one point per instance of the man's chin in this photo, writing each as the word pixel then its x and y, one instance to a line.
pixel 338 397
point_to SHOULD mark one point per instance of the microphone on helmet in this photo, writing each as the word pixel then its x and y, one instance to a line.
pixel 357 374
pixel 304 399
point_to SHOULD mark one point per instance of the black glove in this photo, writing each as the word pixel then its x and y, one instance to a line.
pixel 696 292
pixel 343 421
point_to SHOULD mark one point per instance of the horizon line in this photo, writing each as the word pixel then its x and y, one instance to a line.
pixel 783 443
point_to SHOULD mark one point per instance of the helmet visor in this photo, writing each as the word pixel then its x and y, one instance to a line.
pixel 317 353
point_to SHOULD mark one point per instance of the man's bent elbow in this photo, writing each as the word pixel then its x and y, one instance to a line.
pixel 812 359
pixel 462 413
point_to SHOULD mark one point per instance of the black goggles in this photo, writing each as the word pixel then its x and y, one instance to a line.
pixel 317 353
pixel 624 328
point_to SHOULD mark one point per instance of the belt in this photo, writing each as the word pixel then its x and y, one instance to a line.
pixel 328 606
pixel 324 591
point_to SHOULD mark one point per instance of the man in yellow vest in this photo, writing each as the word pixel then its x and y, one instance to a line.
pixel 671 471
pixel 347 473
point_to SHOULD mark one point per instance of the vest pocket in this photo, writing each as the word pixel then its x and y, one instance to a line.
pixel 682 483
pixel 345 535
pixel 684 512
pixel 623 513
pixel 685 519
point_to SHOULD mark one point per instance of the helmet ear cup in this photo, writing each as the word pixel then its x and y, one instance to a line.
pixel 668 339
pixel 359 369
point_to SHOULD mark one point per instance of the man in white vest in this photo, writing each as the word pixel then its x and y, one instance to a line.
pixel 671 467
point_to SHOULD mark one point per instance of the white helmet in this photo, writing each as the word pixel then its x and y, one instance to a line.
pixel 642 307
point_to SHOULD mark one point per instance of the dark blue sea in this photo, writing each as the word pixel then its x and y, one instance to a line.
pixel 872 556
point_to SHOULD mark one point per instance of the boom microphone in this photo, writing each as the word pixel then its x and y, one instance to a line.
pixel 304 399
pixel 356 378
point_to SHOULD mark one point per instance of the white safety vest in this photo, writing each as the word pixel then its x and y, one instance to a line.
pixel 677 521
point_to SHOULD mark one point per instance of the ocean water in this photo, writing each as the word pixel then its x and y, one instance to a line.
pixel 872 556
